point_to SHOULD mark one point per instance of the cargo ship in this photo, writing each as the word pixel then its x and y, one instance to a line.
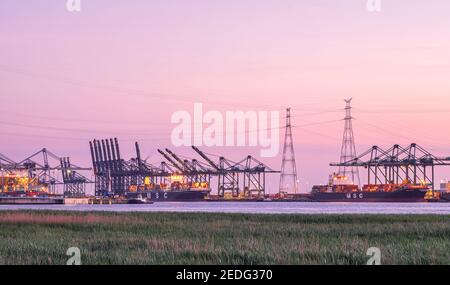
pixel 177 190
pixel 19 188
pixel 444 192
pixel 162 195
pixel 340 189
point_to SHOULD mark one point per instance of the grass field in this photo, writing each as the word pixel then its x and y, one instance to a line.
pixel 43 237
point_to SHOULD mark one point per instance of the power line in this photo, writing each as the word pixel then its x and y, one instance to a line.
pixel 127 91
pixel 155 135
pixel 317 123
pixel 59 119
pixel 64 138
pixel 320 135
pixel 69 129
pixel 403 111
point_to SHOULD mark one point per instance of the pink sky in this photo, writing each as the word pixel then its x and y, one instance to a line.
pixel 121 68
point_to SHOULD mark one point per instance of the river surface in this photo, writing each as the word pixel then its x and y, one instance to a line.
pixel 256 208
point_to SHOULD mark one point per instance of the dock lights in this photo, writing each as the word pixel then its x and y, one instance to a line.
pixel 176 178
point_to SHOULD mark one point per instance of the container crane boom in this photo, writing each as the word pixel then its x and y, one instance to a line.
pixel 187 167
pixel 171 160
pixel 206 158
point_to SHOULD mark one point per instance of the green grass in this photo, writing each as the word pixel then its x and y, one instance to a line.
pixel 43 237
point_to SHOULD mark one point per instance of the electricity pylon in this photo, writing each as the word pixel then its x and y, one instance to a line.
pixel 288 178
pixel 348 150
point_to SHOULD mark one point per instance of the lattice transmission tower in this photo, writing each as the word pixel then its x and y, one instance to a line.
pixel 288 178
pixel 348 150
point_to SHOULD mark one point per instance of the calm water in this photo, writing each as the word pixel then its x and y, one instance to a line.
pixel 257 208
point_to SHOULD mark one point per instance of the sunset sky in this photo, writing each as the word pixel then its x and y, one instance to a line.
pixel 121 68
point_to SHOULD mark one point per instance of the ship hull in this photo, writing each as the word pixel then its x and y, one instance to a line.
pixel 401 196
pixel 445 197
pixel 171 196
